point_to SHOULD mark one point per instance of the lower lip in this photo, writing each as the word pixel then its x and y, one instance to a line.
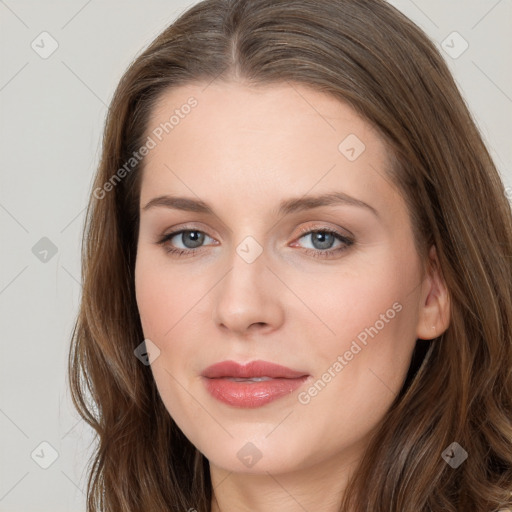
pixel 251 394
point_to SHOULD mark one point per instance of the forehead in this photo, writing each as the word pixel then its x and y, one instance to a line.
pixel 278 109
pixel 264 140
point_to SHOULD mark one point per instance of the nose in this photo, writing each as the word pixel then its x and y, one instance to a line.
pixel 247 300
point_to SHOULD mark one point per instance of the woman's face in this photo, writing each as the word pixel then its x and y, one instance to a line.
pixel 281 262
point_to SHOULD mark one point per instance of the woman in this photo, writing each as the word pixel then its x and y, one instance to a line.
pixel 296 268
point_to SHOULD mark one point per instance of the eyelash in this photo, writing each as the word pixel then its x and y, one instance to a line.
pixel 317 253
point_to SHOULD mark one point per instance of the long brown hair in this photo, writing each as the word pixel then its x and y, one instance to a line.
pixel 369 55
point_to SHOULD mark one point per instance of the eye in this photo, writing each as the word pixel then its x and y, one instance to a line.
pixel 323 240
pixel 191 239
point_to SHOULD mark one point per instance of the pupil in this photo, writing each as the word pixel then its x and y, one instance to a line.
pixel 320 238
pixel 195 236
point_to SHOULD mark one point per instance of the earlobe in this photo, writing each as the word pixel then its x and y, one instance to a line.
pixel 434 313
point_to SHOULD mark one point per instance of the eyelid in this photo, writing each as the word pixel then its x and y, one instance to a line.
pixel 346 240
pixel 165 238
pixel 175 230
pixel 302 231
pixel 324 227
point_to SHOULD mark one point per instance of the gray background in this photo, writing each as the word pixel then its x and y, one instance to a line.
pixel 51 119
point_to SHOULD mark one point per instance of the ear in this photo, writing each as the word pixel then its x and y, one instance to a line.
pixel 434 305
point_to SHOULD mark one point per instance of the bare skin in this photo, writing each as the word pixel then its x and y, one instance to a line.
pixel 243 150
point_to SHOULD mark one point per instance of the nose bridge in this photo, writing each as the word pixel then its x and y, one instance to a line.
pixel 246 295
pixel 248 265
pixel 248 250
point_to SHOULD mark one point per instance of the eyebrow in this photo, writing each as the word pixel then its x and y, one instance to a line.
pixel 286 207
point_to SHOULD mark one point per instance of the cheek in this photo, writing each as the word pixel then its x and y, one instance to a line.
pixel 165 300
pixel 149 287
pixel 344 306
pixel 360 369
pixel 165 295
pixel 369 319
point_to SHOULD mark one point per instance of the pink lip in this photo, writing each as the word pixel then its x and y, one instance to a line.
pixel 252 369
pixel 282 382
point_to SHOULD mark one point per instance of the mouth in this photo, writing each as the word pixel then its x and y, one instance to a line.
pixel 251 370
pixel 253 379
pixel 251 385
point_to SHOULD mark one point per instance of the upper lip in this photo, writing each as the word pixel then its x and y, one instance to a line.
pixel 251 369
